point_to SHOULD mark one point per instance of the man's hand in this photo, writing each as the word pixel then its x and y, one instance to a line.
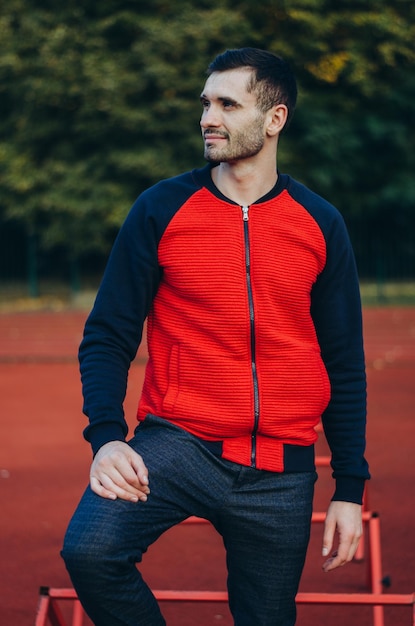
pixel 118 471
pixel 346 518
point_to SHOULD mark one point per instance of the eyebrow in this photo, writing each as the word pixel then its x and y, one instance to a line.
pixel 221 99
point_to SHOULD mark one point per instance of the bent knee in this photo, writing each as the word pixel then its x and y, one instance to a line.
pixel 84 549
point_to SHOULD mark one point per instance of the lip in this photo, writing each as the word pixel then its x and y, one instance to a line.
pixel 209 138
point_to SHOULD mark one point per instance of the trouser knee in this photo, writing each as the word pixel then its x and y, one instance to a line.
pixel 81 554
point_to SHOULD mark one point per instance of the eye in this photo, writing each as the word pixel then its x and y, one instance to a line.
pixel 205 103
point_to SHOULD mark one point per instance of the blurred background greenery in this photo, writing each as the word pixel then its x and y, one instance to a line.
pixel 99 100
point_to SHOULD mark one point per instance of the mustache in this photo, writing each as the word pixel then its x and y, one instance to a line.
pixel 213 131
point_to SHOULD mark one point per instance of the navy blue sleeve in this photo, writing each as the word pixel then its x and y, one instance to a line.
pixel 337 315
pixel 336 311
pixel 114 327
pixel 113 330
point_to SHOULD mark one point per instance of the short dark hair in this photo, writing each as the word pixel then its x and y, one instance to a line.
pixel 272 77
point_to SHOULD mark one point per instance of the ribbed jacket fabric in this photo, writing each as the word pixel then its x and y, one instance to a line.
pixel 254 327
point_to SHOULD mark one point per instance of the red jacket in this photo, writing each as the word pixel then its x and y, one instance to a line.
pixel 254 326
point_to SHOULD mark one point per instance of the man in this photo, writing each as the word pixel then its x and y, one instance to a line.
pixel 249 285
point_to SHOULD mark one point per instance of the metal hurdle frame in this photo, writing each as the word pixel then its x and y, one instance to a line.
pixel 50 614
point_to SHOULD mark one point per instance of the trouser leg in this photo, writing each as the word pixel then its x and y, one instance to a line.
pixel 266 528
pixel 105 539
pixel 103 542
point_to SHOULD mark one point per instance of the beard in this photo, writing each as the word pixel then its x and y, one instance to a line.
pixel 243 144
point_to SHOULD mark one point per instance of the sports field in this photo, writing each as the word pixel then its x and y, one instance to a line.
pixel 44 466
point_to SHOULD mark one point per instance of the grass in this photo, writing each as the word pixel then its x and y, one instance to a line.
pixel 53 296
pixel 58 296
pixel 388 293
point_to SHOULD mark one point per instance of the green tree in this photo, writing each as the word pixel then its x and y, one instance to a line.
pixel 99 101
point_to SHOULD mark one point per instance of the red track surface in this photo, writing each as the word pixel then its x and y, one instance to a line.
pixel 44 465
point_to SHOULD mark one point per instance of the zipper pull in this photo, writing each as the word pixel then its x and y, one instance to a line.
pixel 245 210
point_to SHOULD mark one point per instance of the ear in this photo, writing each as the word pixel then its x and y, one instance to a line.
pixel 276 119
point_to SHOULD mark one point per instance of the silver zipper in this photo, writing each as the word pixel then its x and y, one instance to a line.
pixel 245 210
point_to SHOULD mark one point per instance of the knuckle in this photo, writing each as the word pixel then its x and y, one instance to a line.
pixel 116 456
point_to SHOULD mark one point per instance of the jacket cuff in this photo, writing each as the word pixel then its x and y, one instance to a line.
pixel 102 434
pixel 349 489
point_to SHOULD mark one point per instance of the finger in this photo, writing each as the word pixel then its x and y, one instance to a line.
pixel 349 541
pixel 332 562
pixel 353 547
pixel 336 560
pixel 134 471
pixel 328 536
pixel 105 487
pixel 116 484
pixel 124 475
pixel 97 488
pixel 344 554
pixel 140 469
pixel 119 469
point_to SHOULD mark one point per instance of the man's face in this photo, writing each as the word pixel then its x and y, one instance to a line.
pixel 233 128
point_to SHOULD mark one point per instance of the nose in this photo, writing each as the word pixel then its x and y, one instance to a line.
pixel 210 118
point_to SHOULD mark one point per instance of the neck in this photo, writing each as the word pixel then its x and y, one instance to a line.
pixel 244 182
